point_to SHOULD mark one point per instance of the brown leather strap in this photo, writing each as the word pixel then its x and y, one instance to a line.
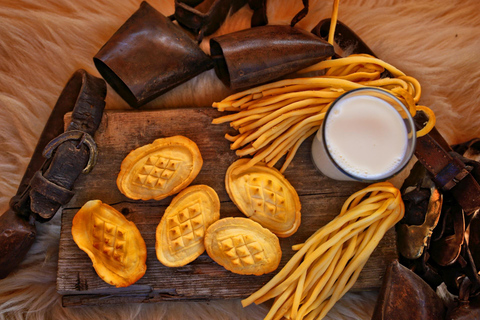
pixel 50 190
pixel 448 170
pixel 259 16
pixel 467 193
pixel 50 187
pixel 47 184
pixel 301 14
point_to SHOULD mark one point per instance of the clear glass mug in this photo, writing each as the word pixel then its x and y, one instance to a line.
pixel 367 135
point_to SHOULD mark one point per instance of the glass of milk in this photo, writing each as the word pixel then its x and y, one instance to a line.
pixel 367 135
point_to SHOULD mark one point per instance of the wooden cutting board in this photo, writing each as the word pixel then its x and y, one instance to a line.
pixel 203 279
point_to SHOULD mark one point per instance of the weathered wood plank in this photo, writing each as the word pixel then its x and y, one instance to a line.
pixel 121 132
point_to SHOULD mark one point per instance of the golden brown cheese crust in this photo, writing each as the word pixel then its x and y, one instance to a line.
pixel 243 246
pixel 180 233
pixel 160 169
pixel 265 196
pixel 114 244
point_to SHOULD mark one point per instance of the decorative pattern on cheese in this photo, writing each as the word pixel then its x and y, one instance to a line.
pixel 180 233
pixel 243 250
pixel 109 239
pixel 114 244
pixel 158 170
pixel 243 246
pixel 265 196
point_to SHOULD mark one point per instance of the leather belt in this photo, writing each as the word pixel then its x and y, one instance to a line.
pixel 59 158
pixel 448 169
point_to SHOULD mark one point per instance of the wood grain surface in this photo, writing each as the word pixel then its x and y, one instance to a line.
pixel 121 132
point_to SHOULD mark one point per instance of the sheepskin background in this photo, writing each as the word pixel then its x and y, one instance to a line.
pixel 42 42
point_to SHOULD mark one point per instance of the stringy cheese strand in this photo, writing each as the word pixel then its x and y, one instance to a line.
pixel 288 143
pixel 333 22
pixel 342 235
pixel 352 59
pixel 431 121
pixel 292 152
pixel 261 156
pixel 272 126
pixel 330 276
pixel 296 108
pixel 279 302
pixel 365 218
pixel 267 137
pixel 260 109
pixel 357 76
pixel 328 82
pixel 360 260
pixel 297 95
pixel 329 288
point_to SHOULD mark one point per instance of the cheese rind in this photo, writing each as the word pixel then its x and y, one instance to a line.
pixel 160 169
pixel 265 196
pixel 180 233
pixel 243 246
pixel 114 244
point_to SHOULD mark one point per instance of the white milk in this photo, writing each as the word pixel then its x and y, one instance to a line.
pixel 365 136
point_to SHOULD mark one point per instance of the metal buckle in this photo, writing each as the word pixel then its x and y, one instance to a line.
pixel 83 137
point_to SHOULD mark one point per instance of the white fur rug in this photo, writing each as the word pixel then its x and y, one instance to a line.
pixel 42 42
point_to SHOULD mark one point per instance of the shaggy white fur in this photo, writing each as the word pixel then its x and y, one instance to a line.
pixel 42 42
